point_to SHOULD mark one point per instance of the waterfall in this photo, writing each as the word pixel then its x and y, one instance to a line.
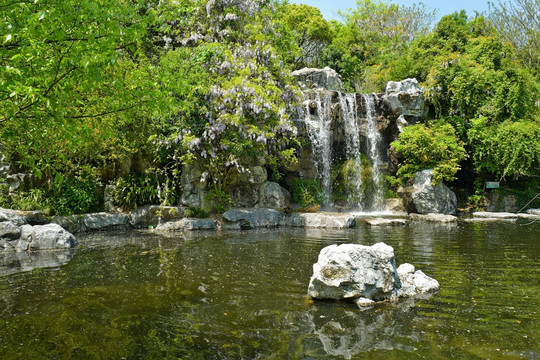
pixel 374 154
pixel 317 116
pixel 320 135
pixel 352 143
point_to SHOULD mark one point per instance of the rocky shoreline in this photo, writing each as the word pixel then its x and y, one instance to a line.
pixel 32 230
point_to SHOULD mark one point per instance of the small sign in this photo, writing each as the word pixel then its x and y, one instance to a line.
pixel 492 185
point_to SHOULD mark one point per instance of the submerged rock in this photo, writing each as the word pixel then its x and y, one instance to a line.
pixel 364 273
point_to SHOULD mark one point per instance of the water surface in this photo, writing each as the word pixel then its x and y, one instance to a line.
pixel 139 295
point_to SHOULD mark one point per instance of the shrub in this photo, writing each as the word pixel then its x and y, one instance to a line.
pixel 307 192
pixel 429 147
pixel 140 189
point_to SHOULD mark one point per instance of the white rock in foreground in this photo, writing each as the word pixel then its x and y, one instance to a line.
pixel 363 273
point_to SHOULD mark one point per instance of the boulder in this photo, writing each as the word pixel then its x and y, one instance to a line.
pixel 383 221
pixel 439 218
pixel 243 219
pixel 313 78
pixel 394 205
pixel 365 274
pixel 188 224
pixel 414 283
pixel 422 197
pixel 105 221
pixel 150 215
pixel 405 98
pixel 12 216
pixel 271 195
pixel 9 230
pixel 494 215
pixel 319 220
pixel 47 237
pixel 352 271
pixel 72 223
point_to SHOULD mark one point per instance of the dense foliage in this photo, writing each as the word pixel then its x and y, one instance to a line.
pixel 430 147
pixel 128 92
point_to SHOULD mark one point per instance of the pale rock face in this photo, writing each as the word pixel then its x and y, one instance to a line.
pixel 425 198
pixel 365 274
pixel 405 98
pixel 314 78
pixel 354 271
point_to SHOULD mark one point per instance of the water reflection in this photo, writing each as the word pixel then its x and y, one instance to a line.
pixel 383 327
pixel 12 263
pixel 240 295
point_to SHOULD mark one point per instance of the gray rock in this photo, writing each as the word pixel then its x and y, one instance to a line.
pixel 105 221
pixel 528 216
pixel 314 78
pixel 9 230
pixel 494 215
pixel 425 198
pixel 439 218
pixel 12 216
pixel 414 283
pixel 383 221
pixel 271 195
pixel 405 98
pixel 394 205
pixel 243 219
pixel 533 211
pixel 151 215
pixel 365 273
pixel 72 223
pixel 319 220
pixel 191 224
pixel 351 271
pixel 48 237
pixel 244 196
pixel 188 224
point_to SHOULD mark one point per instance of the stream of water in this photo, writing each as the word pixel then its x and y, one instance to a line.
pixel 241 295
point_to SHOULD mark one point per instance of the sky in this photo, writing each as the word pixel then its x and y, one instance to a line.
pixel 329 8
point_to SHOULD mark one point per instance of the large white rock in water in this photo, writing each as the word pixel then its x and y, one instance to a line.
pixel 364 273
pixel 354 271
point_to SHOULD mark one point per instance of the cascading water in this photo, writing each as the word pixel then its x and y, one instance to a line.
pixel 318 125
pixel 352 143
pixel 374 142
pixel 320 135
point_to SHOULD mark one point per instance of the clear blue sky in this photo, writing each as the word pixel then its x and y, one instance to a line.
pixel 329 8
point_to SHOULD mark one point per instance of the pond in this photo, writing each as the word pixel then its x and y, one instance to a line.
pixel 242 295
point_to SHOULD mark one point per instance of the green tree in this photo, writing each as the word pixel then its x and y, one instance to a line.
pixel 308 30
pixel 233 90
pixel 374 33
pixel 72 77
pixel 507 150
pixel 518 22
pixel 429 147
